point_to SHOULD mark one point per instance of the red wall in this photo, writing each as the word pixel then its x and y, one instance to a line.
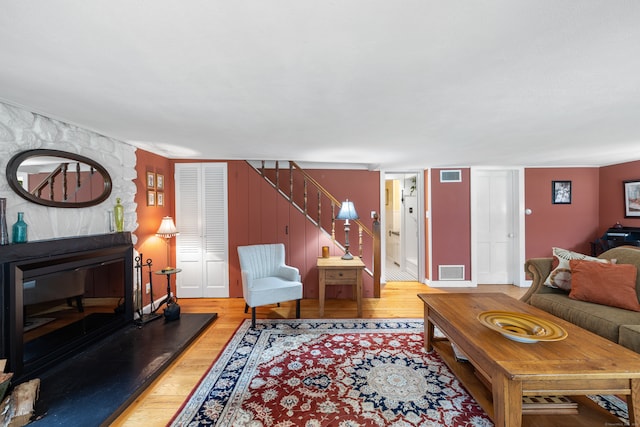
pixel 258 214
pixel 149 218
pixel 451 222
pixel 573 226
pixel 569 226
pixel 612 195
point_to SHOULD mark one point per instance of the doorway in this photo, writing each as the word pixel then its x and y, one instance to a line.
pixel 401 227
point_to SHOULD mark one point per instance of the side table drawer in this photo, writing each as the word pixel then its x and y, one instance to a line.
pixel 335 276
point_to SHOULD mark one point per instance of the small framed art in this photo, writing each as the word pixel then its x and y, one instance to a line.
pixel 561 192
pixel 151 180
pixel 632 199
pixel 151 198
pixel 159 182
pixel 160 198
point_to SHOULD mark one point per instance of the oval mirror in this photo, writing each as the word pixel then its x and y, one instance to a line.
pixel 58 178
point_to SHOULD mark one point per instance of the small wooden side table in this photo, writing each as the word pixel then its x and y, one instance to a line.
pixel 337 271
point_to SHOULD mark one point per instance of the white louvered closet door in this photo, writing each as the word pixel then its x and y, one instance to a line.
pixel 201 218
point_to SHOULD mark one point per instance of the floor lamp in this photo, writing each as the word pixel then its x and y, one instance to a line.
pixel 167 230
pixel 347 212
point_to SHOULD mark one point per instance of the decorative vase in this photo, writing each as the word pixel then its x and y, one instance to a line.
pixel 118 212
pixel 110 224
pixel 4 231
pixel 20 229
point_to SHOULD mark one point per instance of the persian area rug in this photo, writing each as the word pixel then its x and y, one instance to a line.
pixel 330 373
pixel 345 373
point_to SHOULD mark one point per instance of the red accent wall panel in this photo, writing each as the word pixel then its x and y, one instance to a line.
pixel 268 210
pixel 569 226
pixel 149 217
pixel 282 227
pixel 451 222
pixel 238 182
pixel 301 248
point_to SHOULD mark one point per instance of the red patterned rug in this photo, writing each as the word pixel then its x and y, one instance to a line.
pixel 343 373
pixel 330 373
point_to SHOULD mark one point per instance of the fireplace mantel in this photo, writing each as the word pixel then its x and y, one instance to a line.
pixel 99 268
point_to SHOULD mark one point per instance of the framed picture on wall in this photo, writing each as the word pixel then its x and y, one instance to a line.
pixel 151 180
pixel 151 198
pixel 632 199
pixel 160 198
pixel 159 182
pixel 561 192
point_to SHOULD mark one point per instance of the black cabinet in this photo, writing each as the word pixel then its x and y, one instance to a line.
pixel 616 236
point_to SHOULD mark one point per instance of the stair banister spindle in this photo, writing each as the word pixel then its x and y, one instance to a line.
pixel 278 175
pixel 78 178
pixel 305 196
pixel 65 195
pixel 319 208
pixel 290 181
pixel 377 264
pixel 333 221
pixel 50 182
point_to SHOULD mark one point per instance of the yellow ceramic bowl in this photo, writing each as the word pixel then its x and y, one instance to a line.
pixel 522 327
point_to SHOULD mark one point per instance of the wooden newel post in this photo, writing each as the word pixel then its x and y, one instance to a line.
pixel 376 256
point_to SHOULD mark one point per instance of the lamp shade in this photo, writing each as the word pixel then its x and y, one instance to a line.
pixel 347 211
pixel 167 228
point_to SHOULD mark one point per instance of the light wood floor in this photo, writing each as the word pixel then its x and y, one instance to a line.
pixel 157 405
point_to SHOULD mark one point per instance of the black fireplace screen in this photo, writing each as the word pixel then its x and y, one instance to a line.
pixel 57 305
pixel 63 307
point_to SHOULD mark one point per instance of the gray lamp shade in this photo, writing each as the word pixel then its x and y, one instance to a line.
pixel 347 211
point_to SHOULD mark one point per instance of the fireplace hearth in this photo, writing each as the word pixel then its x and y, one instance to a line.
pixel 61 295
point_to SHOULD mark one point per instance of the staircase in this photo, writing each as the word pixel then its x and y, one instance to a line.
pixel 49 183
pixel 320 208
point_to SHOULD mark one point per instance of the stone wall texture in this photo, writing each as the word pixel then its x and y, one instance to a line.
pixel 23 130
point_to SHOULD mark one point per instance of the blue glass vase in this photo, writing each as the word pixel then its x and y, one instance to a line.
pixel 20 229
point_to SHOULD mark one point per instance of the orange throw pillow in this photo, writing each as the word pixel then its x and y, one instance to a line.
pixel 560 276
pixel 607 284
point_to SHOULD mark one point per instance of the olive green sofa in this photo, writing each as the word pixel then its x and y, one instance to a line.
pixel 616 324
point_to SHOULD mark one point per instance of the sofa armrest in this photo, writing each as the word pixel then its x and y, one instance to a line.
pixel 539 269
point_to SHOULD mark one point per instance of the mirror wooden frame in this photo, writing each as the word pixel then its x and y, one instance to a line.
pixel 16 161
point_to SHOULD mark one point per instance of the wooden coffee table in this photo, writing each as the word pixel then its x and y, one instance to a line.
pixel 505 370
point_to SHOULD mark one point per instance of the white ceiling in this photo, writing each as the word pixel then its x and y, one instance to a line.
pixel 389 84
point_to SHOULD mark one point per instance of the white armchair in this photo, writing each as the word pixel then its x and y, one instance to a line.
pixel 266 279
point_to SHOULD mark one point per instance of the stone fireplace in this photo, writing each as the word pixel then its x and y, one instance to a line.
pixel 60 295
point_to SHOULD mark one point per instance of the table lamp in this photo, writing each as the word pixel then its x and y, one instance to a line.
pixel 347 212
pixel 167 230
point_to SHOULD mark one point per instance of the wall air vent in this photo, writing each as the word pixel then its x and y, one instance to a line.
pixel 451 272
pixel 451 175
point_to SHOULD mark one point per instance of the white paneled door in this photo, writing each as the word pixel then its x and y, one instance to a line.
pixel 201 218
pixel 495 226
